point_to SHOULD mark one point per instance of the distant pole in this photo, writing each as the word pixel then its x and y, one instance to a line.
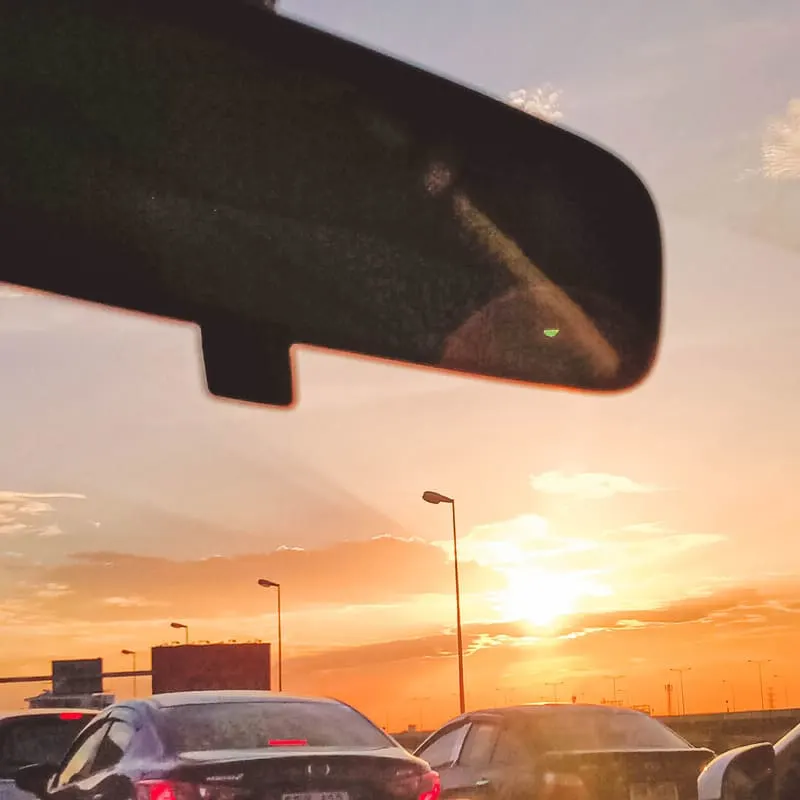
pixel 668 690
pixel 680 671
pixel 760 663
pixel 614 679
pixel 133 654
pixel 267 584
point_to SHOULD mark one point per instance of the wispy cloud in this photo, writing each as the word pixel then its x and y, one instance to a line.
pixel 543 102
pixel 588 485
pixel 22 512
pixel 780 149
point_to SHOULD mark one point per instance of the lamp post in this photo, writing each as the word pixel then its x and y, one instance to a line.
pixel 614 679
pixel 265 584
pixel 680 671
pixel 760 663
pixel 435 498
pixel 132 653
pixel 179 626
pixel 554 685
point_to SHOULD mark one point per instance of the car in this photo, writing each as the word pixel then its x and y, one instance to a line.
pixel 36 735
pixel 229 746
pixel 560 750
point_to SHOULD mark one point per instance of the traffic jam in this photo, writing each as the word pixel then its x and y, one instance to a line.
pixel 207 739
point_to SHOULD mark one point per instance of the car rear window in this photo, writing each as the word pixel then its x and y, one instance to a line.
pixel 592 730
pixel 39 739
pixel 253 725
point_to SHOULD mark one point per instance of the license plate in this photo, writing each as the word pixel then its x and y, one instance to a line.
pixel 316 796
pixel 654 791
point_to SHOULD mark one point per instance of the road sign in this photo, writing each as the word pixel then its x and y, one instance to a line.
pixel 78 676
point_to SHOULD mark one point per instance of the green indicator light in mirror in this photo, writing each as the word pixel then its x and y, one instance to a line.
pixel 551 333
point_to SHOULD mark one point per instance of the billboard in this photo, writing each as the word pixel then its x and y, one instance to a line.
pixel 78 676
pixel 193 667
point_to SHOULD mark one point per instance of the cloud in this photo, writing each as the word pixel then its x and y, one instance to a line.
pixel 647 527
pixel 588 485
pixel 780 147
pixel 384 569
pixel 53 591
pixel 543 102
pixel 21 512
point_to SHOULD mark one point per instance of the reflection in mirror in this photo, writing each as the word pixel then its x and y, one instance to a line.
pixel 316 192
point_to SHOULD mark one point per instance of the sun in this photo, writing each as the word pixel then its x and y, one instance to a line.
pixel 540 597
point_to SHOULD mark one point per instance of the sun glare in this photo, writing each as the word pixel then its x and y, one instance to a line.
pixel 541 598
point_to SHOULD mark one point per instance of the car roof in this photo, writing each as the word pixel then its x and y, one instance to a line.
pixel 172 699
pixel 530 709
pixel 45 712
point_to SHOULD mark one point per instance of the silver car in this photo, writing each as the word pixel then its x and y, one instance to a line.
pixel 35 736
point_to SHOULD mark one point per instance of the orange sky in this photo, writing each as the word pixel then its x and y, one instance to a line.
pixel 599 536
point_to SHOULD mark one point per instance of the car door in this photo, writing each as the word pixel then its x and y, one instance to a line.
pixel 102 779
pixel 65 784
pixel 469 777
pixel 442 750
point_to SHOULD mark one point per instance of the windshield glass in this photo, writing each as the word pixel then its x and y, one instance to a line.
pixel 249 726
pixel 598 731
pixel 634 550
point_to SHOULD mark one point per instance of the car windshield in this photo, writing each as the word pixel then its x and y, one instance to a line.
pixel 598 731
pixel 631 550
pixel 250 726
pixel 37 740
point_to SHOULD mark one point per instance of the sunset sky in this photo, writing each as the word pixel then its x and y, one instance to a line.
pixel 622 535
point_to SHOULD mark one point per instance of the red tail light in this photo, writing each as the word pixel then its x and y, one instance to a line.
pixel 175 790
pixel 563 786
pixel 409 784
pixel 70 715
pixel 287 743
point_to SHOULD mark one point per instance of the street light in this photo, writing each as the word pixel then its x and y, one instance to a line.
pixel 264 583
pixel 179 626
pixel 614 679
pixel 435 498
pixel 727 683
pixel 555 685
pixel 760 663
pixel 132 653
pixel 680 671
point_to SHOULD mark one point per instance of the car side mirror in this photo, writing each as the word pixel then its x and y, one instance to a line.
pixel 34 778
pixel 744 773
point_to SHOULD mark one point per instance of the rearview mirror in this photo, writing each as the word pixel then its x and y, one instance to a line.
pixel 212 161
pixel 744 773
pixel 34 778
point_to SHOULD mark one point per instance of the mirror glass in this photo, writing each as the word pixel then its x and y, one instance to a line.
pixel 213 161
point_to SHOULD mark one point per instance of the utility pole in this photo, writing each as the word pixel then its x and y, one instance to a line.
pixel 668 690
pixel 760 663
pixel 680 671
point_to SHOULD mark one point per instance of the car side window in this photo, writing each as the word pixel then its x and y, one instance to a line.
pixel 444 750
pixel 479 745
pixel 113 746
pixel 79 760
pixel 509 750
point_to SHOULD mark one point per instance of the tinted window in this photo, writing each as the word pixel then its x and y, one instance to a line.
pixel 598 731
pixel 479 745
pixel 37 740
pixel 444 749
pixel 509 749
pixel 79 762
pixel 113 746
pixel 250 725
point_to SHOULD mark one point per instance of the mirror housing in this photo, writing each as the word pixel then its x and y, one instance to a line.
pixel 34 778
pixel 744 773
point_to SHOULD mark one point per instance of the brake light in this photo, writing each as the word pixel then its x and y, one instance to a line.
pixel 287 742
pixel 563 786
pixel 430 786
pixel 69 716
pixel 178 790
pixel 409 784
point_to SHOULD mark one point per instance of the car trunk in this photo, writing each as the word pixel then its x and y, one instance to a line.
pixel 622 774
pixel 301 773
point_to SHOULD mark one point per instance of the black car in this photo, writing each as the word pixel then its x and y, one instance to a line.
pixel 233 746
pixel 554 751
pixel 35 735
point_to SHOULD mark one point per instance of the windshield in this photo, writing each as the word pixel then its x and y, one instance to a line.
pixel 598 731
pixel 633 550
pixel 250 726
